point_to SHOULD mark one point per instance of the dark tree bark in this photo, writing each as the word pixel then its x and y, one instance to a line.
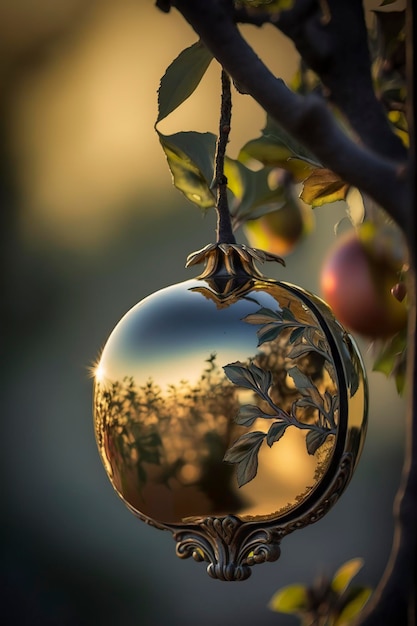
pixel 336 48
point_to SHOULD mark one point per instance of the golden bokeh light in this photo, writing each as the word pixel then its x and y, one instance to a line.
pixel 82 118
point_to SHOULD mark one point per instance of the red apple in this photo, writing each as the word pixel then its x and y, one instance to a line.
pixel 357 279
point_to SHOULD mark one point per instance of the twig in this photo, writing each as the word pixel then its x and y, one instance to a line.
pixel 224 223
pixel 332 39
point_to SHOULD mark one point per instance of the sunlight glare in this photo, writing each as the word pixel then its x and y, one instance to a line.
pixel 99 373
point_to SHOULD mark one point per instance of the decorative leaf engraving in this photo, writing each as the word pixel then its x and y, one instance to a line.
pixel 251 377
pixel 301 341
pixel 244 452
pixel 274 323
pixel 249 413
pixel 315 439
pixel 275 432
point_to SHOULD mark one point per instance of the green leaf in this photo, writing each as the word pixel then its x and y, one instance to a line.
pixel 253 194
pixel 266 151
pixel 322 187
pixel 182 77
pixel 277 148
pixel 356 600
pixel 190 157
pixel 275 432
pixel 249 413
pixel 391 359
pixel 400 377
pixel 345 574
pixel 315 439
pixel 291 599
pixel 244 452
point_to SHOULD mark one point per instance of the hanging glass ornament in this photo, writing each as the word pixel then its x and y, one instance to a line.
pixel 230 409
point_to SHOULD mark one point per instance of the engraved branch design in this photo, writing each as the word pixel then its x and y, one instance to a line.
pixel 303 339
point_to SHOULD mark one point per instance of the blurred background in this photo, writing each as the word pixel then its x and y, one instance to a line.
pixel 91 225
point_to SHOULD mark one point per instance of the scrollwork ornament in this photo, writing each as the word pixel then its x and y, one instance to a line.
pixel 229 546
pixel 232 547
pixel 214 540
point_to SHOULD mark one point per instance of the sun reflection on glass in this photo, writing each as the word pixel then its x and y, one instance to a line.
pixel 99 373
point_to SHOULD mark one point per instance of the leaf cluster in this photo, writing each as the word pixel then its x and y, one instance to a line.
pixel 190 155
pixel 327 602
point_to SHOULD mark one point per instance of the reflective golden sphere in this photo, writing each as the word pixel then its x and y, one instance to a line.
pixel 228 395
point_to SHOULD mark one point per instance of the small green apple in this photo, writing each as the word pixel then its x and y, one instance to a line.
pixel 280 231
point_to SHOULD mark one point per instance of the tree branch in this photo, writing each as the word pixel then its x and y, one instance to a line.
pixel 305 117
pixel 163 5
pixel 332 40
pixel 335 46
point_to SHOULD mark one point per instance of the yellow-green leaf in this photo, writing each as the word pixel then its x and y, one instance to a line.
pixel 354 605
pixel 234 172
pixel 276 148
pixel 254 196
pixel 323 186
pixel 299 168
pixel 345 573
pixel 291 599
pixel 399 121
pixel 266 151
pixel 190 157
pixel 391 359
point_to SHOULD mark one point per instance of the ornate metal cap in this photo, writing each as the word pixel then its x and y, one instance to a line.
pixel 231 259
